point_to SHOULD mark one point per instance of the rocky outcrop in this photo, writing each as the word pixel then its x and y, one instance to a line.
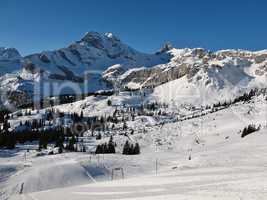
pixel 113 72
pixel 260 58
pixel 155 76
pixel 94 39
pixel 68 75
pixel 18 98
pixel 262 69
pixel 166 47
pixel 44 58
pixel 31 68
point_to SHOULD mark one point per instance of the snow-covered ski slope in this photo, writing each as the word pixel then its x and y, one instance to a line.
pixel 244 178
pixel 222 166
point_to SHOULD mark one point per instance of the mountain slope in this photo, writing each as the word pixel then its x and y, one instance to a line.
pixel 197 76
pixel 102 62
pixel 78 68
pixel 95 52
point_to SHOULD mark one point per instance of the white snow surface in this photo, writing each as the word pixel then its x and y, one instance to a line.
pixel 223 165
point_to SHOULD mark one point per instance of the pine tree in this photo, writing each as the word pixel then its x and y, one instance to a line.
pixel 109 102
pixel 105 148
pixel 131 152
pixel 98 137
pixel 124 126
pixel 71 144
pixel 40 144
pixel 11 141
pixel 130 149
pixel 136 149
pixel 98 149
pixel 81 116
pixel 126 148
pixel 43 141
pixel 59 141
pixel 111 146
pixel 248 130
pixel 60 150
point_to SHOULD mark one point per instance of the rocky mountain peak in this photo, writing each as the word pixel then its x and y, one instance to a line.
pixel 9 54
pixel 166 47
pixel 93 38
pixel 100 40
pixel 112 37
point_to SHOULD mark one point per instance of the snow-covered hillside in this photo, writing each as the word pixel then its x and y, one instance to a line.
pixel 234 169
pixel 222 165
pixel 199 77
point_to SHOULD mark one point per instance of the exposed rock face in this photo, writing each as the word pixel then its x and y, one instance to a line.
pixel 260 58
pixel 234 53
pixel 44 58
pixel 94 39
pixel 18 98
pixel 159 75
pixel 184 63
pixel 30 67
pixel 261 70
pixel 113 72
pixel 68 75
pixel 189 62
pixel 200 53
pixel 166 47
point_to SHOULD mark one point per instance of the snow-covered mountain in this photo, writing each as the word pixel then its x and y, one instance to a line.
pixel 9 54
pixel 83 59
pixel 9 60
pixel 95 52
pixel 198 76
pixel 105 62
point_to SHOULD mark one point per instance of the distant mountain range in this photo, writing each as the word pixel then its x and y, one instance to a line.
pixel 105 62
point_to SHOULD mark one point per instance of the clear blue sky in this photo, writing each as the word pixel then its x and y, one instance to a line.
pixel 36 25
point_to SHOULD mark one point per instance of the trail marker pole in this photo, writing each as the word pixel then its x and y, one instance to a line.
pixel 156 159
pixel 103 160
pixel 156 166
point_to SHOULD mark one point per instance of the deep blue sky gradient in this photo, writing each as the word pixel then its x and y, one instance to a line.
pixel 36 25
